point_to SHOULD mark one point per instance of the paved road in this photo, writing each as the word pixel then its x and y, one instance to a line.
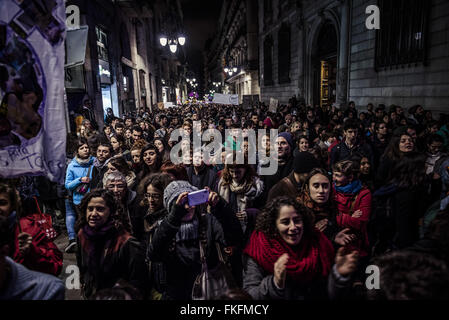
pixel 69 259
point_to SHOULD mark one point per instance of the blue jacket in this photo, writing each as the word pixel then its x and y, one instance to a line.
pixel 75 171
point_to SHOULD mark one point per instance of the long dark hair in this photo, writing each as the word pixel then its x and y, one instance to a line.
pixel 108 197
pixel 409 171
pixel 392 151
pixel 145 169
pixel 266 221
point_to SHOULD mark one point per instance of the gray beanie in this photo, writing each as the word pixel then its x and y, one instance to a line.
pixel 174 189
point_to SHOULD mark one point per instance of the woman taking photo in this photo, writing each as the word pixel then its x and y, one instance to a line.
pixel 77 182
pixel 106 251
pixel 286 257
pixel 175 244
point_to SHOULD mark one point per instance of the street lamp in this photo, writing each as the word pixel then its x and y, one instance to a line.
pixel 173 46
pixel 163 40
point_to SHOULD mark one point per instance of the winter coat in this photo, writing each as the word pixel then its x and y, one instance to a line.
pixel 123 258
pixel 206 177
pixel 43 255
pixel 260 285
pixel 286 187
pixel 270 180
pixel 347 204
pixel 408 206
pixel 75 171
pixel 342 152
pixel 179 262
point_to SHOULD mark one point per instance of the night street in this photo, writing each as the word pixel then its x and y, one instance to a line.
pixel 230 150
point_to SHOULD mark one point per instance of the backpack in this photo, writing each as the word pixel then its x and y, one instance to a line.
pixel 381 225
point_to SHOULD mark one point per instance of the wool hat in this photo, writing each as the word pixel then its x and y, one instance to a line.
pixel 174 189
pixel 287 136
pixel 304 162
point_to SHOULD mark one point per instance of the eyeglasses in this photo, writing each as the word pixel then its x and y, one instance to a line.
pixel 155 196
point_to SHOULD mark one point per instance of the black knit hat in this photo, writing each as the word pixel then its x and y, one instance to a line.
pixel 304 162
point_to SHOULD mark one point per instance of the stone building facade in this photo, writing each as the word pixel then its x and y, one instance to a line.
pixel 125 67
pixel 235 45
pixel 323 52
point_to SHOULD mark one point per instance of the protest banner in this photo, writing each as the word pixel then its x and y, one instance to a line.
pixel 273 105
pixel 221 98
pixel 32 115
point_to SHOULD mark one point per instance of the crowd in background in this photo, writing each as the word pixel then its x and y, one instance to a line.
pixel 352 188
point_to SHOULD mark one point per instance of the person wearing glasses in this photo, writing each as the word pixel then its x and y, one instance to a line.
pixel 152 205
pixel 127 202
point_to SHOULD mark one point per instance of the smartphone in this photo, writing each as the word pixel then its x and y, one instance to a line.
pixel 198 197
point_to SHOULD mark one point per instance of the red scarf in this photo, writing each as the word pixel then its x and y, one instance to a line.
pixel 314 257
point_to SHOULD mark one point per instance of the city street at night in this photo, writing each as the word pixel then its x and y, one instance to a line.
pixel 184 150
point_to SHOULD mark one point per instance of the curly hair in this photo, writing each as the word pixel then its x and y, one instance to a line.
pixel 266 220
pixel 13 195
pixel 158 180
pixel 114 210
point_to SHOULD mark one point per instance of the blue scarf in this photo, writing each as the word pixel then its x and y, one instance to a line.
pixel 351 188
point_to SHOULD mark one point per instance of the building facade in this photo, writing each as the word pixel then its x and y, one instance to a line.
pixel 323 52
pixel 125 68
pixel 235 45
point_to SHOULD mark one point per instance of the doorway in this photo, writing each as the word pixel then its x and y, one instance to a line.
pixel 324 66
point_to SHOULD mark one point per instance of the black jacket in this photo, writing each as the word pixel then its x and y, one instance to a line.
pixel 181 260
pixel 206 177
pixel 342 152
pixel 124 258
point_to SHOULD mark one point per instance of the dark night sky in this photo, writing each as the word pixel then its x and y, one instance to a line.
pixel 200 22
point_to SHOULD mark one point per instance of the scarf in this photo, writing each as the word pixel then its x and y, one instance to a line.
pixel 98 164
pixel 319 212
pixel 188 231
pixel 244 193
pixel 98 240
pixel 82 161
pixel 313 259
pixel 351 188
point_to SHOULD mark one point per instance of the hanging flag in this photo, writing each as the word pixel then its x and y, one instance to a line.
pixel 32 123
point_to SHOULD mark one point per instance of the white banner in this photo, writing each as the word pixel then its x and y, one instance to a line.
pixel 32 123
pixel 273 105
pixel 220 98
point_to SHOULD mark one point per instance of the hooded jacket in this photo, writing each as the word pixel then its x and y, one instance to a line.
pixel 75 171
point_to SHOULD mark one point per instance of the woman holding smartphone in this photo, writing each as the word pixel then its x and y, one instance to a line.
pixel 175 244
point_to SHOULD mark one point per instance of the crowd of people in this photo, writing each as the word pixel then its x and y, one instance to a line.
pixel 352 188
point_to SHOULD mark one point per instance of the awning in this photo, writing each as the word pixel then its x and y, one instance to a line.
pixel 75 43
